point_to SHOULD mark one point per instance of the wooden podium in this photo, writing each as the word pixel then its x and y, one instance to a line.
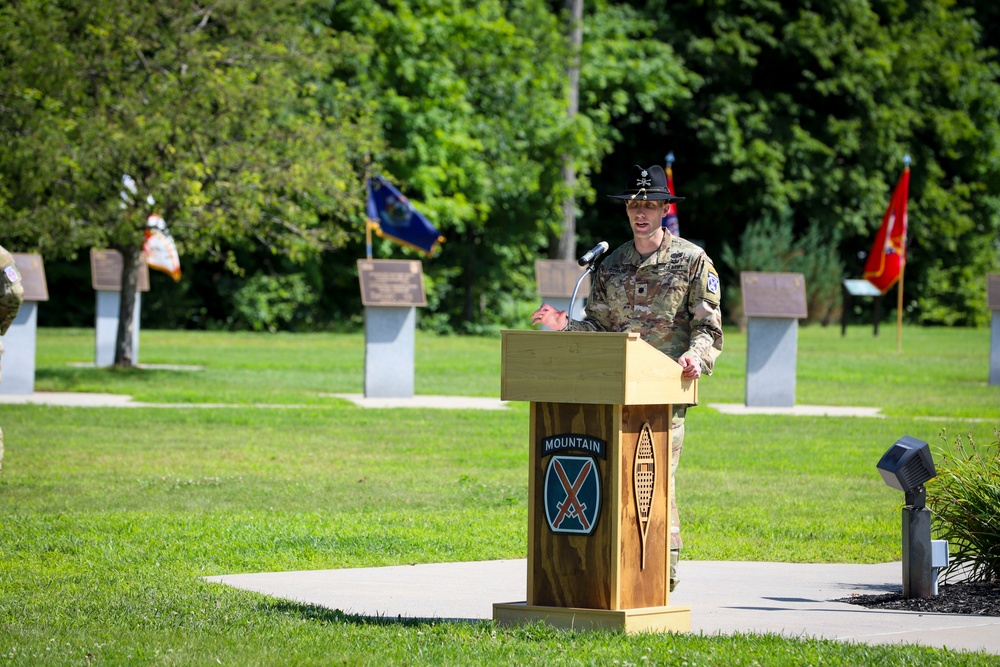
pixel 599 470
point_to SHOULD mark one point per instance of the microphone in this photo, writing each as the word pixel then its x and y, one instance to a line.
pixel 594 253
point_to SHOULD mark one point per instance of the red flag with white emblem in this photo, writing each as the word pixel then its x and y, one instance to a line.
pixel 888 256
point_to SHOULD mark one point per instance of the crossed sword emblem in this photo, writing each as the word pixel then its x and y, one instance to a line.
pixel 571 507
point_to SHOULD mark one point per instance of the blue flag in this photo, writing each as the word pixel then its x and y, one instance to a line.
pixel 394 217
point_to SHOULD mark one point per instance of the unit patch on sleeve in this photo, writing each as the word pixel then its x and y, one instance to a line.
pixel 713 282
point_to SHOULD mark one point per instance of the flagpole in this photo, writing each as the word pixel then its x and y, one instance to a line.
pixel 902 274
pixel 899 310
pixel 368 221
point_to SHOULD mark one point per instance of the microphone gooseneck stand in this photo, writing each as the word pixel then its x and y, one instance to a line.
pixel 572 300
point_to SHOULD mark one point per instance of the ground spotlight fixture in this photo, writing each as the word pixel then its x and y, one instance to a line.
pixel 906 466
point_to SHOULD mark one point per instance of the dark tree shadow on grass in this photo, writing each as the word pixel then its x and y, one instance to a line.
pixel 313 612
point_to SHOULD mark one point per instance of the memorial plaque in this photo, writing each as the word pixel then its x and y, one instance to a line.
pixel 557 278
pixel 391 282
pixel 774 294
pixel 861 287
pixel 993 290
pixel 32 272
pixel 106 272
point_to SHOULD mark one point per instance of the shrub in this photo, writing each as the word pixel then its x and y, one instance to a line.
pixel 770 245
pixel 270 303
pixel 965 500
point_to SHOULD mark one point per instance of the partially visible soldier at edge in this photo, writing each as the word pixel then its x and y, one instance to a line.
pixel 11 296
pixel 662 287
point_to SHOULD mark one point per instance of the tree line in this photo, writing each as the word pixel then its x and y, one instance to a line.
pixel 250 127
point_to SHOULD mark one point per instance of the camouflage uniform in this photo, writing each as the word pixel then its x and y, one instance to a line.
pixel 671 299
pixel 11 295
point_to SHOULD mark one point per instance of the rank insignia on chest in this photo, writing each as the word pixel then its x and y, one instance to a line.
pixel 641 289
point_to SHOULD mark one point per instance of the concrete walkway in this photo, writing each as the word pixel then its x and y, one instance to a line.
pixel 789 599
pixel 798 410
pixel 91 400
pixel 422 401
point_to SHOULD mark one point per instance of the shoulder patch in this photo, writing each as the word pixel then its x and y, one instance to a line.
pixel 712 284
pixel 11 273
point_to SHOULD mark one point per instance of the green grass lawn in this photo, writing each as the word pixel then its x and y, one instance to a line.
pixel 109 517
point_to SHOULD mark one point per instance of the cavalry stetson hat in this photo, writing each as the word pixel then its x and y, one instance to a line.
pixel 647 183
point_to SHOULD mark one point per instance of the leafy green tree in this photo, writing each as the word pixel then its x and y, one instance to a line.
pixel 224 115
pixel 246 123
pixel 631 84
pixel 474 102
pixel 471 100
pixel 810 107
pixel 563 246
pixel 986 14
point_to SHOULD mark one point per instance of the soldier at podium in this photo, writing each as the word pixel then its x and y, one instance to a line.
pixel 665 289
pixel 11 295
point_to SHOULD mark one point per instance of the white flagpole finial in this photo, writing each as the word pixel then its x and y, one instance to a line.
pixel 906 160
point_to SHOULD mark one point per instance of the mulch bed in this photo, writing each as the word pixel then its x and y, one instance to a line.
pixel 965 597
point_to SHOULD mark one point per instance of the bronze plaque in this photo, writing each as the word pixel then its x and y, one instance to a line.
pixel 32 272
pixel 557 278
pixel 774 294
pixel 993 290
pixel 106 271
pixel 391 282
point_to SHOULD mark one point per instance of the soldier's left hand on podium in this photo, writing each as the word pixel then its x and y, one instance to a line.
pixel 691 367
pixel 550 318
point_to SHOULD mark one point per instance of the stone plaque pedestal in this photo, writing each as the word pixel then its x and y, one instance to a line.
pixel 19 352
pixel 106 279
pixel 773 304
pixel 391 289
pixel 772 346
pixel 389 344
pixel 106 327
pixel 21 338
